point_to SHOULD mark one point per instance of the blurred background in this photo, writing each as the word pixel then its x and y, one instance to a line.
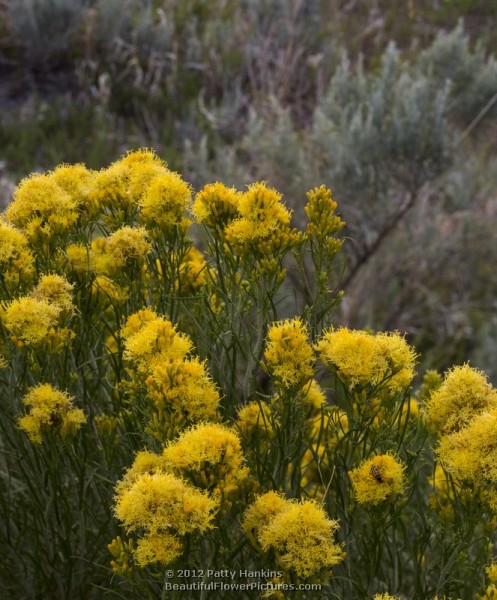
pixel 391 104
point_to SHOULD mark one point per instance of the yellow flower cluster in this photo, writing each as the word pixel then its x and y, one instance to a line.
pixel 470 454
pixel 49 409
pixel 491 590
pixel 261 215
pixel 210 456
pixel 165 497
pixel 184 386
pixel 385 596
pixel 464 393
pixel 16 259
pixel 378 479
pixel 57 291
pixel 164 508
pixel 323 223
pixel 289 356
pixel 127 246
pixel 216 205
pixel 165 201
pixel 300 533
pixel 314 396
pixel 362 359
pixel 41 207
pixel 463 410
pixel 120 186
pixel 151 339
pixel 33 319
pixel 177 383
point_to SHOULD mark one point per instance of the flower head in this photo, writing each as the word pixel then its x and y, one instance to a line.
pixel 216 205
pixel 127 246
pixel 163 508
pixel 121 185
pixel 193 272
pixel 210 455
pixel 57 291
pixel 464 393
pixel 378 479
pixel 30 319
pixel 262 512
pixel 148 336
pixel 470 454
pixel 16 259
pixel 41 208
pixel 302 536
pixel 363 359
pixel 314 396
pixel 323 223
pixel 75 180
pixel 78 257
pixel 289 356
pixel 49 409
pixel 165 201
pixel 262 216
pixel 184 387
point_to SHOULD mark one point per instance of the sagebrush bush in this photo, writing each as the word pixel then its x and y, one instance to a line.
pixel 174 420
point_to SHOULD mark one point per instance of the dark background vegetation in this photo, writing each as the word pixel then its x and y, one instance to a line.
pixel 391 104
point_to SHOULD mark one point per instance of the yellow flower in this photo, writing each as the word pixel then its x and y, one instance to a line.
pixel 262 216
pixel 41 208
pixel 464 394
pixel 30 320
pixel 262 512
pixel 210 455
pixel 216 205
pixel 184 387
pixel 161 548
pixel 121 185
pixel 288 354
pixel 302 536
pixel 49 408
pixel 489 594
pixel 491 572
pixel 323 223
pixel 362 359
pixel 127 246
pixel 400 360
pixel 471 453
pixel 143 166
pixel 385 597
pixel 75 180
pixel 355 356
pixel 377 479
pixel 16 259
pixel 149 336
pixel 57 291
pixel 145 463
pixel 164 202
pixel 163 507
